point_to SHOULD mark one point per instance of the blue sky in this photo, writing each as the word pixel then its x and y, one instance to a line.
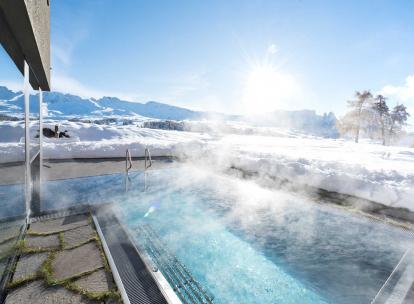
pixel 232 56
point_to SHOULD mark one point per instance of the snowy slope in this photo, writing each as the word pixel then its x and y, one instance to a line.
pixel 370 171
pixel 91 140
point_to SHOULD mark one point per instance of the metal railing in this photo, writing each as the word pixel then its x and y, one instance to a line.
pixel 128 161
pixel 148 159
pixel 128 167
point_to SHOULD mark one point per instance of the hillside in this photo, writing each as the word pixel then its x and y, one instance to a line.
pixel 64 106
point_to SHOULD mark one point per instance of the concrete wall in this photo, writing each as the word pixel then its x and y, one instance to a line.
pixel 25 35
pixel 39 14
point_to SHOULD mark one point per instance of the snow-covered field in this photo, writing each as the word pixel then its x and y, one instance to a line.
pixel 371 171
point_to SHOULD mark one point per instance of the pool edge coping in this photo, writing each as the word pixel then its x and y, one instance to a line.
pixel 161 282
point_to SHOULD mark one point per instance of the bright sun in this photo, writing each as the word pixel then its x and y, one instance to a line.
pixel 267 89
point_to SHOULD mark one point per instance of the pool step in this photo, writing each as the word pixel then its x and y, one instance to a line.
pixel 186 287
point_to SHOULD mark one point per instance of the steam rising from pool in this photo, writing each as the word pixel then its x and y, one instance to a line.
pixel 232 234
pixel 244 242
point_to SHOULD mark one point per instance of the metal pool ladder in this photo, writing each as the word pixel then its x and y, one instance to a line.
pixel 148 159
pixel 128 166
pixel 128 161
pixel 147 164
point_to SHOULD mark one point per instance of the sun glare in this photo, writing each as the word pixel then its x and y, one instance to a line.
pixel 267 89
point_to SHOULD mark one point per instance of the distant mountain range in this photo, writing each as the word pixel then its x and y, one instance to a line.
pixel 65 106
pixel 61 105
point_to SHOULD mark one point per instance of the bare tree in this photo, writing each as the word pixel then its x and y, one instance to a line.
pixel 357 106
pixel 381 109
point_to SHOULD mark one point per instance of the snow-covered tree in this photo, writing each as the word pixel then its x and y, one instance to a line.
pixel 398 119
pixel 359 108
pixel 371 117
pixel 383 115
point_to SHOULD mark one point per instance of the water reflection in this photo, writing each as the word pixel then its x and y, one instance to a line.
pixel 12 191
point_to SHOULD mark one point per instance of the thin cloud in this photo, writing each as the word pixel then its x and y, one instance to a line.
pixel 15 86
pixel 61 55
pixel 403 93
pixel 69 85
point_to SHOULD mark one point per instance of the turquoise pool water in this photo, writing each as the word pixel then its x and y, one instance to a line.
pixel 245 244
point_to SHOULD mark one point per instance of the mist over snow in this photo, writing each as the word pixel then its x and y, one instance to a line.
pixel 276 145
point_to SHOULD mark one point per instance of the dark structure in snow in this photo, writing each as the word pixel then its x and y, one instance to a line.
pixel 49 133
pixel 165 125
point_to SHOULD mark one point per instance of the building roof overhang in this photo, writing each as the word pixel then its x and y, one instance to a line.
pixel 25 35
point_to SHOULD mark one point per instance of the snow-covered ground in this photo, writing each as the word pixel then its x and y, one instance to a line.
pixel 378 173
pixel 375 172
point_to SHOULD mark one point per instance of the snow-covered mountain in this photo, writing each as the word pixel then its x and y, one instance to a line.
pixel 64 106
pixel 61 105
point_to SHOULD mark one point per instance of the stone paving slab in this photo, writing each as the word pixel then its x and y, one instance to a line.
pixel 37 293
pixel 6 247
pixel 9 233
pixel 60 224
pixel 67 263
pixel 98 281
pixel 43 242
pixel 28 265
pixel 3 265
pixel 78 236
pixel 72 262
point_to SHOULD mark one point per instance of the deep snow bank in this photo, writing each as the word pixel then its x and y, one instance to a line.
pixel 98 141
pixel 374 172
pixel 370 171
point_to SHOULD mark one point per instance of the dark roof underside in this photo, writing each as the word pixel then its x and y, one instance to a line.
pixel 25 35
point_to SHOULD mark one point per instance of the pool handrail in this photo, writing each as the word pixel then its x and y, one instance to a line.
pixel 128 161
pixel 147 156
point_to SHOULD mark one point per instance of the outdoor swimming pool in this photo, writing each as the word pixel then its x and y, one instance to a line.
pixel 246 244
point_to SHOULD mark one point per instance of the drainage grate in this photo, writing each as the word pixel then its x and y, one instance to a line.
pixel 186 287
pixel 138 283
pixel 55 214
